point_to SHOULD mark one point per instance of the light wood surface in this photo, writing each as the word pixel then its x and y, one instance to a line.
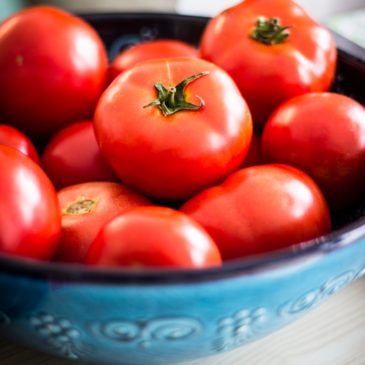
pixel 332 334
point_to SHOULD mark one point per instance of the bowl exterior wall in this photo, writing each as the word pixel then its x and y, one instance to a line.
pixel 155 324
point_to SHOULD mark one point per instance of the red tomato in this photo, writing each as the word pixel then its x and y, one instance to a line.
pixel 85 209
pixel 190 137
pixel 53 68
pixel 324 135
pixel 10 136
pixel 260 209
pixel 153 237
pixel 273 50
pixel 254 155
pixel 30 221
pixel 73 156
pixel 161 48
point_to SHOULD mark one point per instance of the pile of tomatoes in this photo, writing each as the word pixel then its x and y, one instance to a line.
pixel 169 155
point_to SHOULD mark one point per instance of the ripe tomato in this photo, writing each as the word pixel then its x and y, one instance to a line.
pixel 10 136
pixel 324 135
pixel 190 137
pixel 161 48
pixel 254 155
pixel 85 209
pixel 30 220
pixel 73 156
pixel 273 50
pixel 260 209
pixel 153 237
pixel 53 68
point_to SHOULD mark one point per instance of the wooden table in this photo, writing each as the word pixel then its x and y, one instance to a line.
pixel 332 334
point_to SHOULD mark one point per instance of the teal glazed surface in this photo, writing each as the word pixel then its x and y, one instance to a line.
pixel 152 323
pixel 158 317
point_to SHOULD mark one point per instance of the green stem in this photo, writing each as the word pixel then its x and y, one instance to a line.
pixel 269 31
pixel 172 99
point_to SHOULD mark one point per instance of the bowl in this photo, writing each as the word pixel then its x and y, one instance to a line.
pixel 165 316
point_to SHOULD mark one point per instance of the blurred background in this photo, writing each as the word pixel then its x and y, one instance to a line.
pixel 347 17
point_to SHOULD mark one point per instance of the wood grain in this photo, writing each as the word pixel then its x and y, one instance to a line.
pixel 332 334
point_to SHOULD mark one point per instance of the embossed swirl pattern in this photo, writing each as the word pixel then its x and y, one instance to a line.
pixel 146 332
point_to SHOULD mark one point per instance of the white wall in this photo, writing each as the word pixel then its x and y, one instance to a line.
pixel 320 9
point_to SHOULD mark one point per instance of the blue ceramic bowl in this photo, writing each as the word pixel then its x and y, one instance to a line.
pixel 156 317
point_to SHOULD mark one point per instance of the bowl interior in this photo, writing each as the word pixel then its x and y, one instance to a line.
pixel 120 30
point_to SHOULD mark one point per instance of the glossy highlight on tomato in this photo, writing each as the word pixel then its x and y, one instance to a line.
pixel 273 50
pixel 167 152
pixel 73 156
pixel 12 137
pixel 53 68
pixel 153 237
pixel 30 219
pixel 261 209
pixel 85 208
pixel 323 134
pixel 172 129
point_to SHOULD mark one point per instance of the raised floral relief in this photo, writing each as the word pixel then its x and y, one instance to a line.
pixel 239 328
pixel 59 334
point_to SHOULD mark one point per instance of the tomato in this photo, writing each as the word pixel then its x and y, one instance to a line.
pixel 73 156
pixel 176 141
pixel 254 155
pixel 85 209
pixel 260 209
pixel 324 135
pixel 30 220
pixel 273 50
pixel 10 136
pixel 53 68
pixel 153 237
pixel 160 48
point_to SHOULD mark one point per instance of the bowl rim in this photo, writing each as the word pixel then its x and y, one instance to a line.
pixel 345 236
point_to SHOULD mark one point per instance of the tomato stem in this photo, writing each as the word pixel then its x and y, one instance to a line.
pixel 269 31
pixel 172 99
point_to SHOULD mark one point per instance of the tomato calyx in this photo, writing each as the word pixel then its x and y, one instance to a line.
pixel 172 99
pixel 82 205
pixel 269 31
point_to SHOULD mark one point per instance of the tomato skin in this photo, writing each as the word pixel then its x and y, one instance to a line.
pixel 172 157
pixel 10 136
pixel 254 155
pixel 30 220
pixel 79 230
pixel 260 209
pixel 153 237
pixel 73 156
pixel 267 75
pixel 324 135
pixel 53 74
pixel 159 48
